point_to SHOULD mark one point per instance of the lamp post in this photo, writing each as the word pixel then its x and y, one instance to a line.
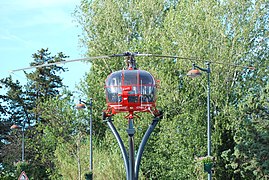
pixel 14 126
pixel 80 106
pixel 193 74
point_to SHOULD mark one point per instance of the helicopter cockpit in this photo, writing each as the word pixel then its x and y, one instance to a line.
pixel 130 86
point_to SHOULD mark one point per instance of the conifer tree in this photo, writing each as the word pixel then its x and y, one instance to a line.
pixel 22 108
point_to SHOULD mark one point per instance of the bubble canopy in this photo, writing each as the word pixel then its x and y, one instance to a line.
pixel 130 90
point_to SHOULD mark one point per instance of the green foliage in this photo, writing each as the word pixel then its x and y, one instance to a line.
pixel 23 166
pixel 107 163
pixel 62 124
pixel 70 158
pixel 219 31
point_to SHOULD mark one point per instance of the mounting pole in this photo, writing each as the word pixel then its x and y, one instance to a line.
pixel 23 140
pixel 208 71
pixel 143 144
pixel 120 143
pixel 131 132
pixel 131 163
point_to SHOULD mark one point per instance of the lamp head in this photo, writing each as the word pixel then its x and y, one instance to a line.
pixel 193 73
pixel 80 105
pixel 14 126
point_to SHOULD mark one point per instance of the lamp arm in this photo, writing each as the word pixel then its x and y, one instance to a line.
pixel 87 103
pixel 203 69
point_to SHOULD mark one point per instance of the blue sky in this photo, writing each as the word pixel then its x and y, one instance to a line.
pixel 29 25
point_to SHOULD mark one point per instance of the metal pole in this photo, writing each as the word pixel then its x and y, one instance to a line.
pixel 209 176
pixel 89 176
pixel 131 132
pixel 22 144
pixel 142 145
pixel 132 167
pixel 91 167
pixel 121 145
pixel 208 71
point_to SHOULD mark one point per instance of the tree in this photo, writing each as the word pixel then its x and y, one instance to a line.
pixel 15 113
pixel 22 105
pixel 64 131
pixel 220 31
pixel 44 82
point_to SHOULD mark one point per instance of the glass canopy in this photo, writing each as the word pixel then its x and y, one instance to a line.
pixel 139 84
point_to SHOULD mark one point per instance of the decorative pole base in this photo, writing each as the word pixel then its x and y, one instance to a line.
pixel 88 176
pixel 207 167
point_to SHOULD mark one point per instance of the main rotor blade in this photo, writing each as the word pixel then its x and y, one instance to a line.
pixel 196 59
pixel 62 62
pixel 129 54
pixel 167 56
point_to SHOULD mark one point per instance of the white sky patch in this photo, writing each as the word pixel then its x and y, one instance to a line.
pixel 28 13
pixel 35 4
pixel 9 38
pixel 29 25
pixel 22 20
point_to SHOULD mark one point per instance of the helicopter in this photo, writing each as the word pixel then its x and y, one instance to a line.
pixel 130 90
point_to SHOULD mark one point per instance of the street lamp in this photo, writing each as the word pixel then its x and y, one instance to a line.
pixel 14 126
pixel 82 105
pixel 193 74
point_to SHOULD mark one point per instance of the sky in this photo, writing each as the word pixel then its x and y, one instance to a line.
pixel 29 25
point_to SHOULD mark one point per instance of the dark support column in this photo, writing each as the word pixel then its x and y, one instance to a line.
pixel 121 145
pixel 143 143
pixel 132 164
pixel 131 132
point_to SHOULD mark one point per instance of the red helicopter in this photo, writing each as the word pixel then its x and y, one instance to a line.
pixel 130 90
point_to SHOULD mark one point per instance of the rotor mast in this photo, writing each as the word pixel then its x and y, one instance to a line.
pixel 130 60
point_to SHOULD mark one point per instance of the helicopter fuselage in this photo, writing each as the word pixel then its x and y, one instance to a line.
pixel 130 91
